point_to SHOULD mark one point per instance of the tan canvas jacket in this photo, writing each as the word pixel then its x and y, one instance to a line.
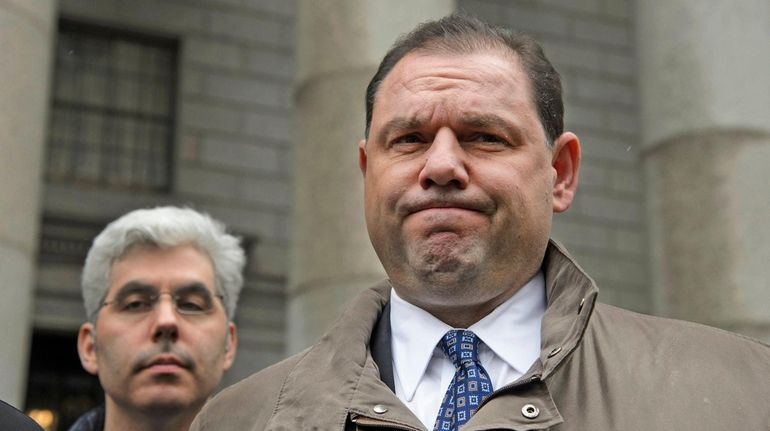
pixel 600 368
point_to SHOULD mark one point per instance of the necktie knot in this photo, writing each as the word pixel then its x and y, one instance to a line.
pixel 461 347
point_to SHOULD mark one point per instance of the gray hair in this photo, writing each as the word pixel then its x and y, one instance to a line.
pixel 163 227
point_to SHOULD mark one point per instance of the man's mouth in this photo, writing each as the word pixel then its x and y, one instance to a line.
pixel 426 205
pixel 165 364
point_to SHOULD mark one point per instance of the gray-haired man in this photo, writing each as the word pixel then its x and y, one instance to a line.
pixel 160 288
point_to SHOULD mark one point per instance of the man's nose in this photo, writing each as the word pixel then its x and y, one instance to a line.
pixel 166 319
pixel 445 162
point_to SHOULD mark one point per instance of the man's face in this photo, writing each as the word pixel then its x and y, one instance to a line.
pixel 460 186
pixel 158 359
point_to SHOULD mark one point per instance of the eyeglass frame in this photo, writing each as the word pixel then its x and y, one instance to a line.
pixel 154 296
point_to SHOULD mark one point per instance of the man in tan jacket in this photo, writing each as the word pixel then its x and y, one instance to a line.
pixel 484 323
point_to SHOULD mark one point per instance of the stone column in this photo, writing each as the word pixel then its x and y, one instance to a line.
pixel 340 45
pixel 704 79
pixel 26 37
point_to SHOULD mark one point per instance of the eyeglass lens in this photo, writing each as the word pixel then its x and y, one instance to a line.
pixel 137 298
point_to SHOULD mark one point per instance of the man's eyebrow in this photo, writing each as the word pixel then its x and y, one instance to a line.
pixel 398 123
pixel 483 121
pixel 133 287
pixel 194 286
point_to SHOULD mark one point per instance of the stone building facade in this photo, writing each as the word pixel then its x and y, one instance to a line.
pixel 265 109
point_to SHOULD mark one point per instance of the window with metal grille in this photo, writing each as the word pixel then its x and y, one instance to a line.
pixel 112 121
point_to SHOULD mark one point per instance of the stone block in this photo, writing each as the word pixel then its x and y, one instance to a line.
pixel 581 116
pixel 282 8
pixel 206 116
pixel 588 6
pixel 64 279
pixel 618 271
pixel 568 55
pixel 604 91
pixel 538 21
pixel 602 32
pixel 272 126
pixel 620 64
pixel 583 235
pixel 228 185
pixel 207 183
pixel 274 193
pixel 249 90
pixel 593 175
pixel 627 180
pixel 39 13
pixel 279 65
pixel 253 29
pixel 240 154
pixel 245 219
pixel 59 313
pixel 159 16
pixel 192 82
pixel 602 207
pixel 610 148
pixel 212 53
pixel 617 8
pixel 631 241
pixel 624 121
pixel 272 258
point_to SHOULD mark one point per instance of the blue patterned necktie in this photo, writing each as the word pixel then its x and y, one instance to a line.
pixel 470 385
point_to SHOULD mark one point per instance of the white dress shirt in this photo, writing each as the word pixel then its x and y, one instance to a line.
pixel 510 344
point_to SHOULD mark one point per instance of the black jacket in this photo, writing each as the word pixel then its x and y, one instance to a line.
pixel 92 420
pixel 12 419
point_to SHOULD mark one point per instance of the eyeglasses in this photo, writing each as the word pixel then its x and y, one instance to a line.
pixel 136 299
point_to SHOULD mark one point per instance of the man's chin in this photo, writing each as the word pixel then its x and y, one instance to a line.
pixel 165 397
pixel 445 255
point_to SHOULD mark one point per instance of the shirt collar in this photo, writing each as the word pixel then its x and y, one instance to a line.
pixel 415 333
pixel 521 315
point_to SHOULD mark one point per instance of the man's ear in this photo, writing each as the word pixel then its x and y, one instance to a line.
pixel 87 348
pixel 565 163
pixel 231 345
pixel 362 156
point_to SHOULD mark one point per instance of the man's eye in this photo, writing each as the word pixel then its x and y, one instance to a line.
pixel 408 139
pixel 193 303
pixel 136 304
pixel 486 138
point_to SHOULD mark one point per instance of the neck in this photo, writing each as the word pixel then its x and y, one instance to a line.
pixel 119 419
pixel 461 317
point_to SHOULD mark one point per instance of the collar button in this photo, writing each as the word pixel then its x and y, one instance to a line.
pixel 530 411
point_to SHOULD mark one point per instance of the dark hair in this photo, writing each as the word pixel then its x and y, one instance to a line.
pixel 459 33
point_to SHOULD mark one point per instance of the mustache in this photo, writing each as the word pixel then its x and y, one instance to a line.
pixel 165 348
pixel 412 204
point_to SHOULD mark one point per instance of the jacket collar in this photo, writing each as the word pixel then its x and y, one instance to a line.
pixel 338 378
pixel 571 295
